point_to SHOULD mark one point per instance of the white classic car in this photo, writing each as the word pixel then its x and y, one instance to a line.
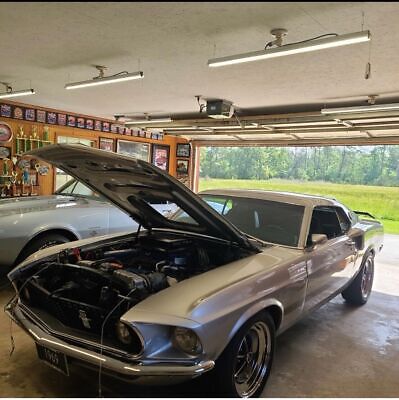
pixel 202 292
pixel 73 212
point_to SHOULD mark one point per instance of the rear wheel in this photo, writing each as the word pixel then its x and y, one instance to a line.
pixel 47 240
pixel 358 292
pixel 244 367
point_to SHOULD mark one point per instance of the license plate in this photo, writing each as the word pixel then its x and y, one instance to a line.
pixel 53 358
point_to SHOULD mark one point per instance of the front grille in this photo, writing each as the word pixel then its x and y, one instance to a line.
pixel 78 322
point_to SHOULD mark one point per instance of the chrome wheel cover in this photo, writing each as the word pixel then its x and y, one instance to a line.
pixel 252 359
pixel 367 278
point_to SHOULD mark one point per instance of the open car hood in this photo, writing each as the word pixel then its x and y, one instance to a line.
pixel 132 184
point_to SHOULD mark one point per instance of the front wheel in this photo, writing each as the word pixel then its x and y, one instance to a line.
pixel 47 240
pixel 358 292
pixel 244 367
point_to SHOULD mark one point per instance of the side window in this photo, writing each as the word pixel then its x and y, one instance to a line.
pixel 325 221
pixel 227 206
pixel 343 220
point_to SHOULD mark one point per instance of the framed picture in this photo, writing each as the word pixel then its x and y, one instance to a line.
pixel 182 167
pixel 62 119
pixel 51 118
pixel 18 113
pixel 97 125
pixel 105 126
pixel 5 110
pixel 89 124
pixel 106 144
pixel 41 116
pixel 160 156
pixel 183 150
pixel 71 120
pixel 133 149
pixel 81 123
pixel 30 114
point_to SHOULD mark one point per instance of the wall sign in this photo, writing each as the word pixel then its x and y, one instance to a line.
pixel 160 156
pixel 183 150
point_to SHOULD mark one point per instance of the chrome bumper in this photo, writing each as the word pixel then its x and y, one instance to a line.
pixel 139 373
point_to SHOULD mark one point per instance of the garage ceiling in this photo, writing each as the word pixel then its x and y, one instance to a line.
pixel 49 44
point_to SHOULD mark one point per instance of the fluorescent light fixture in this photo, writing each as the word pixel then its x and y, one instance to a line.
pixel 17 93
pixel 361 109
pixel 288 49
pixel 105 80
pixel 148 121
pixel 299 124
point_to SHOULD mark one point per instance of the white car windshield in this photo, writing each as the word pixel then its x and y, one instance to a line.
pixel 270 221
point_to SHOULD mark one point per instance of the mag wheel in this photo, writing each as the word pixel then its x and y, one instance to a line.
pixel 243 368
pixel 358 292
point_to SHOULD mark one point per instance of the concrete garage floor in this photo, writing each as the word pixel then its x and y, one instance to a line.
pixel 338 351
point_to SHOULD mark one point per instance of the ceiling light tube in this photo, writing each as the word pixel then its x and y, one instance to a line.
pixel 17 93
pixel 360 109
pixel 289 49
pixel 106 80
pixel 148 121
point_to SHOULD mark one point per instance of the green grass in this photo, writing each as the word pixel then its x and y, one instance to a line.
pixel 380 201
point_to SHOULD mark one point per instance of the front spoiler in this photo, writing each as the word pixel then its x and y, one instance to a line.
pixel 138 373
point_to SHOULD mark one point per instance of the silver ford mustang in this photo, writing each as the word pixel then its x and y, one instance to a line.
pixel 202 292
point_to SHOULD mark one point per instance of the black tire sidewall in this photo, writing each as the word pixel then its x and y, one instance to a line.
pixel 224 372
pixel 42 242
pixel 370 256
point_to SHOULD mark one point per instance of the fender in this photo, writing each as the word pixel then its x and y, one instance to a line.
pixel 254 309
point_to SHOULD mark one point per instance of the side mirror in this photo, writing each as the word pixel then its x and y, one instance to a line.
pixel 318 238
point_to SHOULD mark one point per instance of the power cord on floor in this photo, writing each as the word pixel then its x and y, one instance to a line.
pixel 102 338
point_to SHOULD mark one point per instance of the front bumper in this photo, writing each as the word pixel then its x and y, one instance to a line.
pixel 159 373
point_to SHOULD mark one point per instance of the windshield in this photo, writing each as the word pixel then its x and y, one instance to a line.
pixel 76 188
pixel 270 221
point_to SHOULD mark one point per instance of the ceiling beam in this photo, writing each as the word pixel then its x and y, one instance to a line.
pixel 365 141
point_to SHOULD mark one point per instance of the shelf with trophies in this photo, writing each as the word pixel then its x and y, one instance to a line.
pixel 19 176
pixel 24 143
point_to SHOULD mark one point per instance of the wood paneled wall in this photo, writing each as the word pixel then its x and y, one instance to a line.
pixel 47 183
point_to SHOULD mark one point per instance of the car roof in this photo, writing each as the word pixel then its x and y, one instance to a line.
pixel 306 200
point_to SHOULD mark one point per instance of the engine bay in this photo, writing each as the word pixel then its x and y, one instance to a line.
pixel 81 286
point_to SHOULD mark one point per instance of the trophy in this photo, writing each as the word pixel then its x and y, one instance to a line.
pixel 13 180
pixel 34 137
pixel 20 143
pixel 5 167
pixel 26 176
pixel 14 161
pixel 32 187
pixel 45 134
pixel 8 185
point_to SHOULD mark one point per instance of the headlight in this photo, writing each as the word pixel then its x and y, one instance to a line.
pixel 187 340
pixel 123 333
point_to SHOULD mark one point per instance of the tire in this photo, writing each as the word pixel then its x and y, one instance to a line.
pixel 358 292
pixel 237 373
pixel 42 242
